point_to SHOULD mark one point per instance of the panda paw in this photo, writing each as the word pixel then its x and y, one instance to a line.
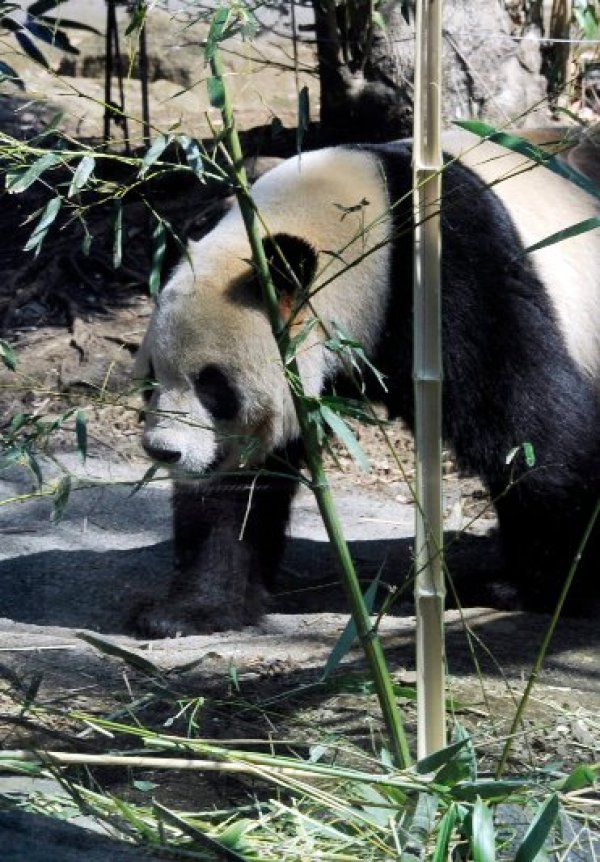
pixel 156 620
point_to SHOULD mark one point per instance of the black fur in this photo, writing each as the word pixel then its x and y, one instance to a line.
pixel 509 380
pixel 229 535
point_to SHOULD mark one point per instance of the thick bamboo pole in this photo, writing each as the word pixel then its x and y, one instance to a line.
pixel 427 369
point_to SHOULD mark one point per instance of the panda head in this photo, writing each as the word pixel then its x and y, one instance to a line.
pixel 215 391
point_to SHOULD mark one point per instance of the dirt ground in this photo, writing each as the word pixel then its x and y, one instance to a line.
pixel 75 324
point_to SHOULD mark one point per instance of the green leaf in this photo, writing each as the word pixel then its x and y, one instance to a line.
pixel 378 21
pixel 7 73
pixel 69 24
pixel 487 789
pixel 17 181
pixel 216 33
pixel 51 210
pixel 82 174
pixel 147 477
pixel 50 35
pixel 130 658
pixel 529 453
pixel 345 435
pixel 61 498
pixel 216 92
pixel 349 634
pixel 144 786
pixel 552 162
pixel 155 152
pixel 303 117
pixel 582 776
pixel 447 825
pixel 463 765
pixel 8 355
pixel 423 820
pixel 440 759
pixel 118 234
pixel 568 232
pixel 137 20
pixel 30 48
pixel 538 831
pixel 43 6
pixel 296 342
pixel 191 148
pixel 81 434
pixel 483 834
pixel 159 244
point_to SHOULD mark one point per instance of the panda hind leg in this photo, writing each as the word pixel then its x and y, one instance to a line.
pixel 540 548
pixel 229 537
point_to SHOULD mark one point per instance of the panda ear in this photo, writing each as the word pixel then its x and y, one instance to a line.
pixel 292 262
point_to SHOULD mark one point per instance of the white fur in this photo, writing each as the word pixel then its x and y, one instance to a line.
pixel 198 321
pixel 542 203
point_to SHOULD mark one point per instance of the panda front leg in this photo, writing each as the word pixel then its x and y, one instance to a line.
pixel 229 537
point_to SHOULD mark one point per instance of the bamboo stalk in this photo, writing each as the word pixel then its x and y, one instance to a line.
pixel 233 762
pixel 366 632
pixel 427 369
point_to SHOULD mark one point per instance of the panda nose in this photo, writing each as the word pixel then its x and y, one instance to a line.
pixel 162 456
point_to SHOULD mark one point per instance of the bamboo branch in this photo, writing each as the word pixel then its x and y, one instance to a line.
pixel 366 632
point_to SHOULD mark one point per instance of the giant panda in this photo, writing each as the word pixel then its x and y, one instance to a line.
pixel 521 346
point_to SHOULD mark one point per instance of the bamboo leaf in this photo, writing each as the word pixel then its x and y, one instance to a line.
pixel 525 148
pixel 30 48
pixel 448 822
pixel 43 6
pixel 82 174
pixel 191 148
pixel 147 477
pixel 349 634
pixel 296 342
pixel 7 73
pixel 529 453
pixel 61 498
pixel 159 244
pixel 582 776
pixel 137 20
pixel 441 758
pixel 81 434
pixel 69 24
pixel 568 232
pixel 345 435
pixel 483 836
pixel 538 831
pixel 8 355
pixel 118 234
pixel 216 92
pixel 303 117
pixel 155 152
pixel 217 30
pixel 50 35
pixel 18 181
pixel 51 210
pixel 130 658
pixel 423 821
pixel 462 765
pixel 487 789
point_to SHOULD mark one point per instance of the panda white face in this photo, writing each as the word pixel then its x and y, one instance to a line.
pixel 220 398
pixel 208 407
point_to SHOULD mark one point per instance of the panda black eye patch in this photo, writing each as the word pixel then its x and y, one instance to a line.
pixel 216 393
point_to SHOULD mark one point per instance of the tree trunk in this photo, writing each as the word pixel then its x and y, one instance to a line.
pixel 366 70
